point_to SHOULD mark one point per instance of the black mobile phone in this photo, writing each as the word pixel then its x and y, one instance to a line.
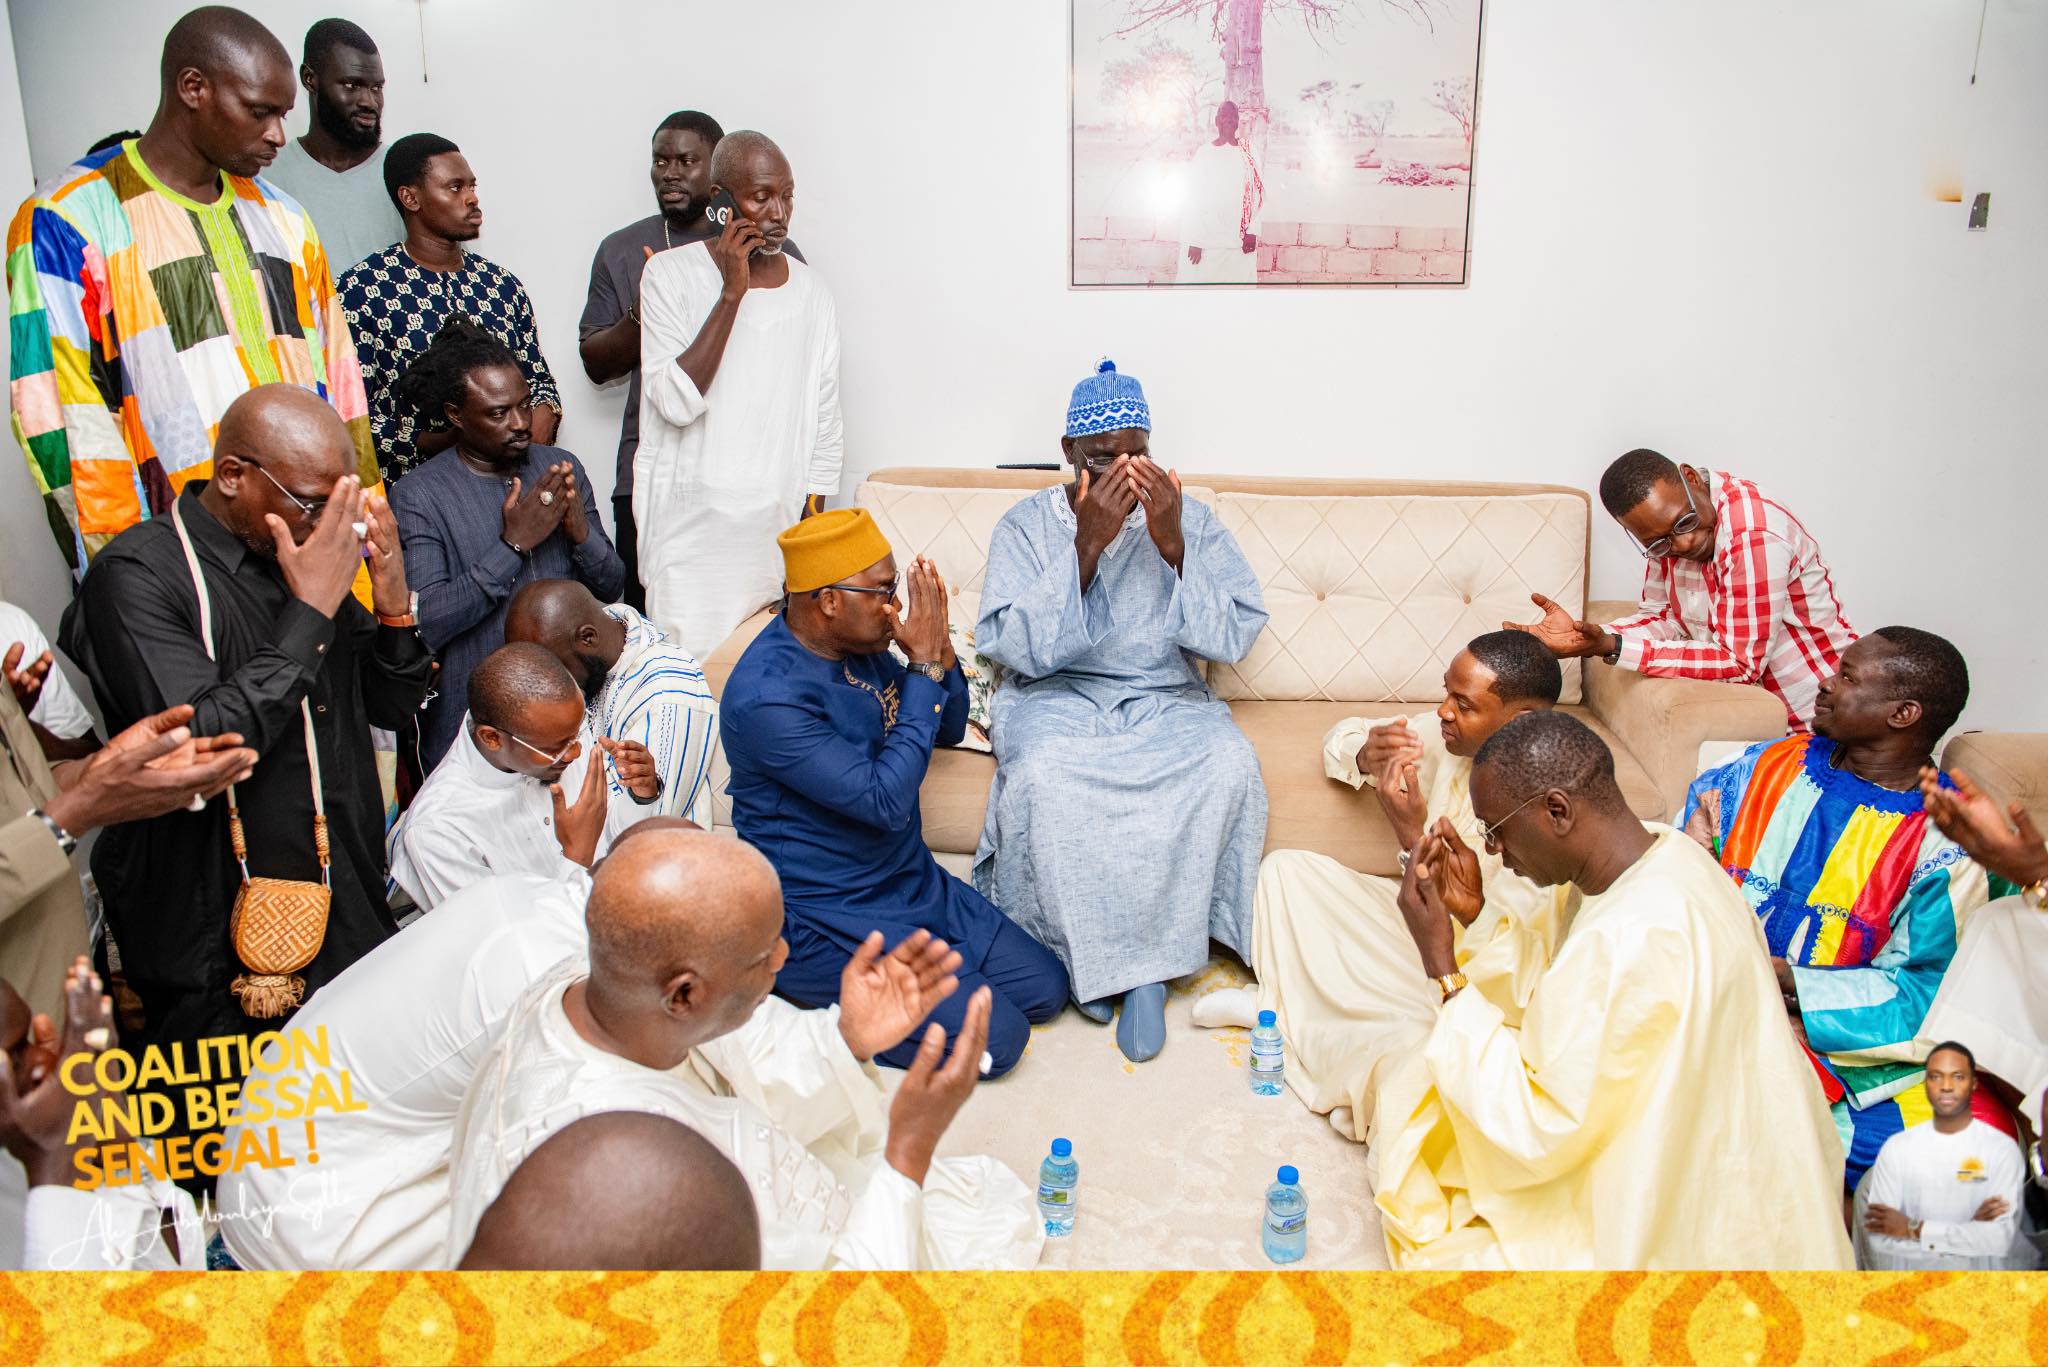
pixel 721 211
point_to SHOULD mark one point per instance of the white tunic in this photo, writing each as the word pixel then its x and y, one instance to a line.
pixel 1212 218
pixel 717 475
pixel 1942 1179
pixel 410 1021
pixel 783 1098
pixel 471 820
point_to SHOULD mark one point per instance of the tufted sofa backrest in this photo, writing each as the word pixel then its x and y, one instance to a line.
pixel 1372 585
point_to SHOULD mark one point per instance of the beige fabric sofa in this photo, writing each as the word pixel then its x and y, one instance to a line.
pixel 1372 587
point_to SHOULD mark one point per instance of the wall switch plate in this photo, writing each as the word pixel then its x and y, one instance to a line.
pixel 1980 212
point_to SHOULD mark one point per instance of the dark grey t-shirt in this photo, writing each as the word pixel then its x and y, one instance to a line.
pixel 614 286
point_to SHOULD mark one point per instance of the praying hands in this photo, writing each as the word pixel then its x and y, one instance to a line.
pixel 1389 756
pixel 882 997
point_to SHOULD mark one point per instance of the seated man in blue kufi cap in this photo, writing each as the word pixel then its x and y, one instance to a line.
pixel 1127 816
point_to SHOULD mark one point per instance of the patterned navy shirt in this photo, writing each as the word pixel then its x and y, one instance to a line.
pixel 395 306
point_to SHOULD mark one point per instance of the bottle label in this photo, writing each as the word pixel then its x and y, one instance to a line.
pixel 1287 1224
pixel 1055 1196
pixel 1268 1063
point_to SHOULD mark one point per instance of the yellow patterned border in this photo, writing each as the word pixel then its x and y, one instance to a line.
pixel 778 1318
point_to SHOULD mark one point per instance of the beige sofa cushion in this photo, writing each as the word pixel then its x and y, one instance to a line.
pixel 2010 766
pixel 1371 596
pixel 1313 812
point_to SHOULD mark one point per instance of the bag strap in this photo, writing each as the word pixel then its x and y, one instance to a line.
pixel 235 834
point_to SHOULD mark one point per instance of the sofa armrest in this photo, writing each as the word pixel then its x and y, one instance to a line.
pixel 1664 721
pixel 718 665
pixel 2010 766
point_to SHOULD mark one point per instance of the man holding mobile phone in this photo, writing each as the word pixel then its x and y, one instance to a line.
pixel 739 424
pixel 680 171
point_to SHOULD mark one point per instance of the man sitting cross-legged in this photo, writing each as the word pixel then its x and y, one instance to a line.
pixel 673 1016
pixel 649 1194
pixel 1126 818
pixel 1335 962
pixel 1652 1110
pixel 829 738
pixel 1735 588
pixel 642 687
pixel 499 802
pixel 1860 896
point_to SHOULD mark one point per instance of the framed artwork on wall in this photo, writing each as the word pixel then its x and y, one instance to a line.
pixel 1272 142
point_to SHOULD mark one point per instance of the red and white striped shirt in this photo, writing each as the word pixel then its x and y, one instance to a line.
pixel 1762 611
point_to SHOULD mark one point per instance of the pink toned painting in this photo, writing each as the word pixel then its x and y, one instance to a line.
pixel 1272 142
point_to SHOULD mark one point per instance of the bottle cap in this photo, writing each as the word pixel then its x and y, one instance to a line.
pixel 1268 1018
pixel 1289 1177
pixel 1061 1148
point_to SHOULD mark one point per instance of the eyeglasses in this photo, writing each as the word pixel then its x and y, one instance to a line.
pixel 887 590
pixel 309 510
pixel 1491 834
pixel 1688 522
pixel 550 760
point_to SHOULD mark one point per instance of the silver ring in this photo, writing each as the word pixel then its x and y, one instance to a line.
pixel 547 498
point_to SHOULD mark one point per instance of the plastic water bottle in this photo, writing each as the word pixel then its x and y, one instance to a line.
pixel 1285 1235
pixel 1269 1061
pixel 1057 1177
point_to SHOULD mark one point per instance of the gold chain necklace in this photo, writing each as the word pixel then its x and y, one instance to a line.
pixel 887 697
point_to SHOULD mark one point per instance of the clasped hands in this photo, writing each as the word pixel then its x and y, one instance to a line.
pixel 882 997
pixel 924 630
pixel 1441 882
pixel 1390 757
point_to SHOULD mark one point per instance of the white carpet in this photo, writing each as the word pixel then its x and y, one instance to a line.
pixel 1176 1153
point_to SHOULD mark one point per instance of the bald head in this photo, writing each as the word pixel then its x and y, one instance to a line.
pixel 290 431
pixel 220 40
pixel 561 616
pixel 279 451
pixel 734 159
pixel 667 899
pixel 647 1194
pixel 515 678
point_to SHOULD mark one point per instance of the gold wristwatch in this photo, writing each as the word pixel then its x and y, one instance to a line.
pixel 1452 983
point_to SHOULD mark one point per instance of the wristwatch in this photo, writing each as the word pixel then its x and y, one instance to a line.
pixel 1452 983
pixel 66 841
pixel 935 672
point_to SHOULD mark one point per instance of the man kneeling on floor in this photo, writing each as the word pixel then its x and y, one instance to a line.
pixel 829 737
pixel 1652 1082
pixel 672 1016
pixel 1335 961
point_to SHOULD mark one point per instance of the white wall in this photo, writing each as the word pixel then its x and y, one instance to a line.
pixel 1708 226
pixel 32 573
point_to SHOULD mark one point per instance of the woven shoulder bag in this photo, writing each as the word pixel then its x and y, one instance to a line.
pixel 278 924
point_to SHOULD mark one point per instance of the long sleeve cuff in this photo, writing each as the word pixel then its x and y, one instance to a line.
pixel 31 861
pixel 303 635
pixel 1632 652
pixel 1341 744
pixel 884 1230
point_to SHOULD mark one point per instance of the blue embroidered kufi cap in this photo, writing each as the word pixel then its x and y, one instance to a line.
pixel 1107 402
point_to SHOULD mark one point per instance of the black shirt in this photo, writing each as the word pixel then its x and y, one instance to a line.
pixel 169 884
